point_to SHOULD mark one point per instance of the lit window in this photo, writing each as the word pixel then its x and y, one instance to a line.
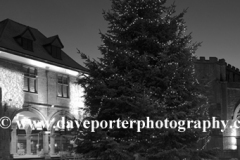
pixel 63 86
pixel 27 44
pixel 30 79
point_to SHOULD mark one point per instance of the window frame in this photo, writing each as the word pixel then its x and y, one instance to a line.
pixel 28 45
pixel 56 52
pixel 63 84
pixel 29 75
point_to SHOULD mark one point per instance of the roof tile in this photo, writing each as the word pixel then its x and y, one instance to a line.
pixel 10 29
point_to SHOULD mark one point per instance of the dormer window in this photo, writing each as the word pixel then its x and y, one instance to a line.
pixel 56 52
pixel 27 44
pixel 54 47
pixel 25 40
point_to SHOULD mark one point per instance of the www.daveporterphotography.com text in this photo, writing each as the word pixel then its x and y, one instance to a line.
pixel 180 125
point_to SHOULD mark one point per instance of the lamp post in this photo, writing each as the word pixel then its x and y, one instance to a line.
pixel 38 140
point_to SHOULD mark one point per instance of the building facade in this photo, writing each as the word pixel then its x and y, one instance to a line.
pixel 38 92
pixel 224 82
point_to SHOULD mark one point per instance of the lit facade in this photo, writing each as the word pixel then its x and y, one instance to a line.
pixel 37 80
pixel 224 95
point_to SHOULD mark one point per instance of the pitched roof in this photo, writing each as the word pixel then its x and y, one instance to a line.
pixel 10 29
pixel 50 40
pixel 28 34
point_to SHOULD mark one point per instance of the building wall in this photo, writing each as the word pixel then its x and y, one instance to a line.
pixel 45 104
pixel 233 101
pixel 47 89
pixel 46 95
pixel 224 99
pixel 212 73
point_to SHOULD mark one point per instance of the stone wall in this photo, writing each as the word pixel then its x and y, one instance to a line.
pixel 46 95
pixel 5 134
pixel 44 102
pixel 213 68
pixel 233 101
pixel 225 97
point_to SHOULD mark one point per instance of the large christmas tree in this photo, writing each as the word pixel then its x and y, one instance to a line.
pixel 146 70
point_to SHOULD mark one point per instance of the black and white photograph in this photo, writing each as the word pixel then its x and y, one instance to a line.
pixel 119 80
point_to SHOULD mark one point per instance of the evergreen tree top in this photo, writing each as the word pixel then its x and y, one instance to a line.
pixel 147 70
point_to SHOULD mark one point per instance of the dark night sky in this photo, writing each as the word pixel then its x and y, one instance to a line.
pixel 216 23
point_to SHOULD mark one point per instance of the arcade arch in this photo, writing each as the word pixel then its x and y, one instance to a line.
pixel 26 136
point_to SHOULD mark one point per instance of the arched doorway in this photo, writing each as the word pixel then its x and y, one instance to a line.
pixel 236 114
pixel 231 131
pixel 27 132
pixel 61 127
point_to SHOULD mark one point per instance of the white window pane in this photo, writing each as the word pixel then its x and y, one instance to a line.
pixel 65 91
pixel 59 90
pixel 25 84
pixel 32 85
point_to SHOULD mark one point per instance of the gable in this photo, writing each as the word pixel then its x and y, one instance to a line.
pixel 2 26
pixel 56 42
pixel 28 34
